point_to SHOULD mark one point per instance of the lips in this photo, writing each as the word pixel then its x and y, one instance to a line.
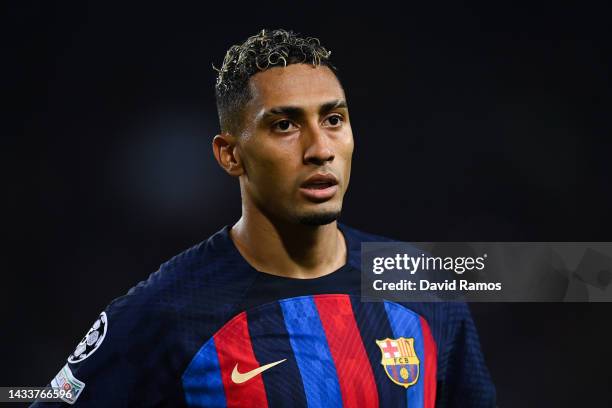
pixel 320 187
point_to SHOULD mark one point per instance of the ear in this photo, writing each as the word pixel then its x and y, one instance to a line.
pixel 225 150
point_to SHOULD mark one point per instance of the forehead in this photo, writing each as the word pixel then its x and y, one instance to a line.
pixel 294 85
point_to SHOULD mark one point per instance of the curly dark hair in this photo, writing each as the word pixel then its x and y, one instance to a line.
pixel 265 50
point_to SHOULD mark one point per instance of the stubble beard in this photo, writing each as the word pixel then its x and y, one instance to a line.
pixel 318 218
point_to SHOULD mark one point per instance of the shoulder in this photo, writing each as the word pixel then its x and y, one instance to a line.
pixel 199 272
pixel 187 298
pixel 157 325
pixel 355 238
pixel 445 317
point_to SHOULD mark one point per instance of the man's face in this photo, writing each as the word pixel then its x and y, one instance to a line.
pixel 297 144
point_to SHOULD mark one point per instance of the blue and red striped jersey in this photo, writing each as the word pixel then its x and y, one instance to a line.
pixel 208 330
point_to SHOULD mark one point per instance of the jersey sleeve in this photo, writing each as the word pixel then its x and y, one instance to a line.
pixel 123 359
pixel 463 377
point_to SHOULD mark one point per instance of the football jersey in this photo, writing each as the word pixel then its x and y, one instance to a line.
pixel 209 330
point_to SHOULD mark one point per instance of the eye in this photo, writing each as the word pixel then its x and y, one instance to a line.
pixel 334 120
pixel 283 126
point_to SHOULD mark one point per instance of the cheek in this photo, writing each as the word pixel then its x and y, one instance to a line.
pixel 346 148
pixel 350 147
pixel 271 167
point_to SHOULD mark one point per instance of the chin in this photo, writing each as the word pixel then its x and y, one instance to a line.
pixel 319 218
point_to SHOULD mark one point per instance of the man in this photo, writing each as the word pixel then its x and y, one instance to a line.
pixel 267 312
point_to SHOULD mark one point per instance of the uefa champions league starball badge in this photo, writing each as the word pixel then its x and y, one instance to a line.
pixel 92 340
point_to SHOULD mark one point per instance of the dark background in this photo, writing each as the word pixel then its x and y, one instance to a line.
pixel 471 123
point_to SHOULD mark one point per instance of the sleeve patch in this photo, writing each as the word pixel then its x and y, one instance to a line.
pixel 66 381
pixel 92 340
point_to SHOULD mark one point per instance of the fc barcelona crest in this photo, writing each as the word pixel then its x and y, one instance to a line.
pixel 400 361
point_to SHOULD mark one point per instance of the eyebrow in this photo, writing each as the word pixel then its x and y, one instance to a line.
pixel 295 111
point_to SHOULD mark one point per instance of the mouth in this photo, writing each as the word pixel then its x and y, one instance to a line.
pixel 320 187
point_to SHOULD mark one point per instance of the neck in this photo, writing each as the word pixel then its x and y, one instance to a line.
pixel 288 249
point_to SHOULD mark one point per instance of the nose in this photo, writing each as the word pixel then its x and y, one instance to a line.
pixel 317 149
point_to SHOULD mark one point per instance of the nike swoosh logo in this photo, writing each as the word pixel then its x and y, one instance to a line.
pixel 239 378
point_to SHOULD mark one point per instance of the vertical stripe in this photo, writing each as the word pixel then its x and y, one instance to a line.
pixel 373 325
pixel 311 352
pixel 406 323
pixel 235 351
pixel 354 371
pixel 270 341
pixel 394 373
pixel 202 379
pixel 430 365
pixel 405 350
